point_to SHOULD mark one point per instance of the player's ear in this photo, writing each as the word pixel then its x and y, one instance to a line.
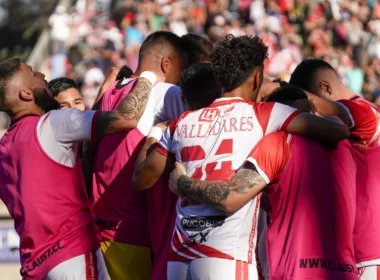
pixel 258 80
pixel 325 88
pixel 165 64
pixel 26 94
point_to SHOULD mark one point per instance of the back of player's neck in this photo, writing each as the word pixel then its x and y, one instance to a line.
pixel 234 93
pixel 29 111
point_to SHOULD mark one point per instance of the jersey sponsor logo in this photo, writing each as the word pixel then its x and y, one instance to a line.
pixel 200 223
pixel 41 259
pixel 327 264
pixel 210 114
pixel 200 237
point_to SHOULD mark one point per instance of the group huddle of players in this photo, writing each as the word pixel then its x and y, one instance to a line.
pixel 200 168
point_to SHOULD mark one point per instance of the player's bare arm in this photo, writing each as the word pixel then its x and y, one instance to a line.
pixel 147 173
pixel 143 163
pixel 129 111
pixel 326 108
pixel 322 129
pixel 227 196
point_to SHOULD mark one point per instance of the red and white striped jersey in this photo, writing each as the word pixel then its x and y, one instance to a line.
pixel 212 143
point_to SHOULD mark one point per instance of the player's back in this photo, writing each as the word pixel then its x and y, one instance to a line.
pixel 122 213
pixel 365 137
pixel 213 143
pixel 48 204
pixel 312 213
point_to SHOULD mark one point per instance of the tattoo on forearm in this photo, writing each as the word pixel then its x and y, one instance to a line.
pixel 135 102
pixel 213 192
pixel 130 108
pixel 106 123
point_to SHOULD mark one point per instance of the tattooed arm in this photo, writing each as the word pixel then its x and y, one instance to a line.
pixel 226 196
pixel 130 109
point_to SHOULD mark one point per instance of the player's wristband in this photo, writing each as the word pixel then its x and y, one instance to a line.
pixel 150 76
pixel 156 133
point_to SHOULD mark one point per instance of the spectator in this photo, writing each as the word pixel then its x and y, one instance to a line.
pixel 344 33
pixel 60 29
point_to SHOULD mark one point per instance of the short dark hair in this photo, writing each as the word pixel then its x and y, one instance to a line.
pixel 199 86
pixel 7 69
pixel 286 94
pixel 58 85
pixel 198 48
pixel 280 81
pixel 234 58
pixel 161 39
pixel 302 76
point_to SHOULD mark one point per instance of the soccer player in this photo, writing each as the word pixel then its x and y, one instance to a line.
pixel 41 180
pixel 311 190
pixel 125 217
pixel 164 210
pixel 318 77
pixel 66 92
pixel 213 143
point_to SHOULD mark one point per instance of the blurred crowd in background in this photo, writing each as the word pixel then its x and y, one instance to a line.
pixel 96 35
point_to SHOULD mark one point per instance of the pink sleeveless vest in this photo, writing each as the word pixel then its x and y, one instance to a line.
pixel 312 216
pixel 47 201
pixel 121 211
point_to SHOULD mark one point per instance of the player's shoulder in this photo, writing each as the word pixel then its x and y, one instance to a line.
pixel 167 89
pixel 66 115
pixel 357 103
pixel 275 138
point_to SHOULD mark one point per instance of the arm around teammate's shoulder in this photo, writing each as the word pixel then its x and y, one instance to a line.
pixel 72 125
pixel 129 111
pixel 226 196
pixel 318 128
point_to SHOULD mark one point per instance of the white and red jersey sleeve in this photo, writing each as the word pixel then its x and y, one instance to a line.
pixel 365 134
pixel 165 145
pixel 274 117
pixel 271 155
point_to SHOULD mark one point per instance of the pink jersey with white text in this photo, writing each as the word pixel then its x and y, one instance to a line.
pixel 365 137
pixel 213 143
pixel 312 198
pixel 46 199
pixel 122 212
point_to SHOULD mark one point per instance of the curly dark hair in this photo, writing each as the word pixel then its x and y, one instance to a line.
pixel 234 58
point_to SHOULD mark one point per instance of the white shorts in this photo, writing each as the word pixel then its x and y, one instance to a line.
pixel 369 273
pixel 212 269
pixel 88 266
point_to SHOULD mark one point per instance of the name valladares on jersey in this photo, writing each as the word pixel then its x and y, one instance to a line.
pixel 202 130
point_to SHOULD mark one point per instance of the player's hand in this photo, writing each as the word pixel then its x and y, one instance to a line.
pixel 178 171
pixel 123 73
pixel 163 125
pixel 113 74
